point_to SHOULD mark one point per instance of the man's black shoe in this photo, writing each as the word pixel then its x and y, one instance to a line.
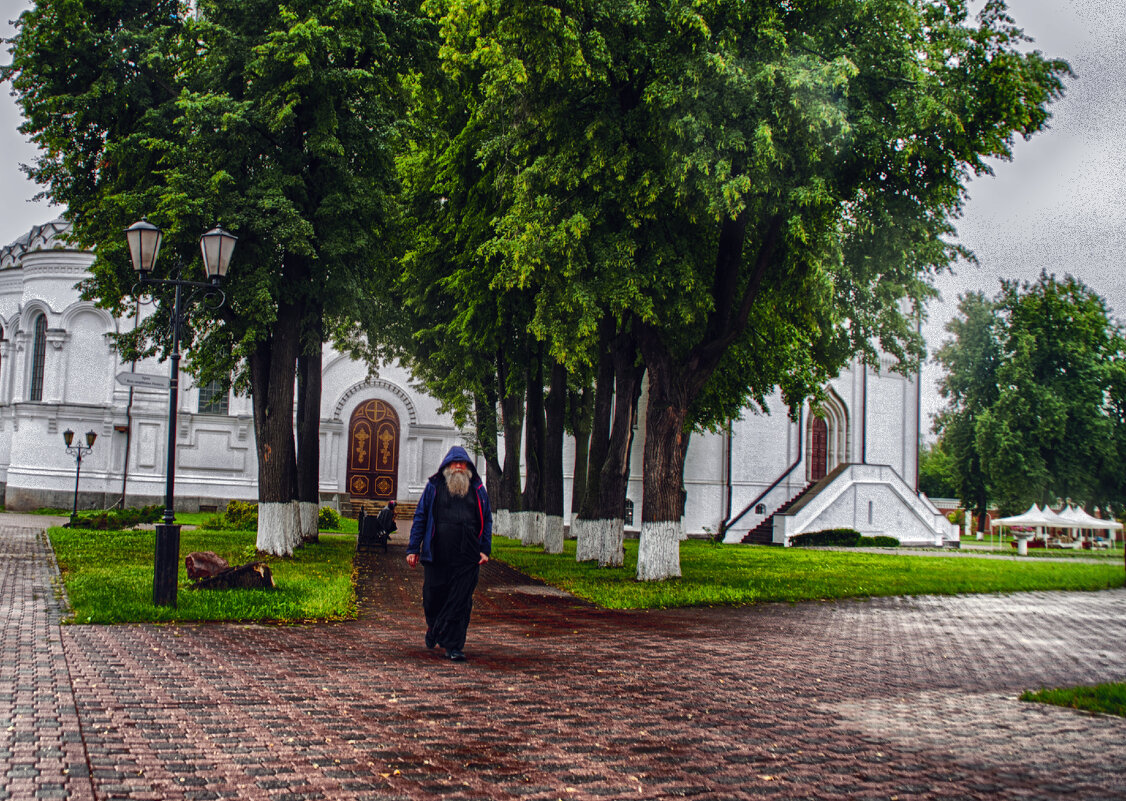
pixel 455 655
pixel 430 641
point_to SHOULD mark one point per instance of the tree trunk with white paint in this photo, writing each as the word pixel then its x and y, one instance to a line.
pixel 610 539
pixel 309 377
pixel 273 372
pixel 309 513
pixel 555 409
pixel 658 552
pixel 615 404
pixel 586 546
pixel 535 445
pixel 553 534
pixel 279 529
pixel 485 408
pixel 502 523
pixel 512 420
pixel 666 443
pixel 533 528
pixel 521 526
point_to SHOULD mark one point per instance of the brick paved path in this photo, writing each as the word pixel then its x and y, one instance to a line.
pixel 890 698
pixel 41 752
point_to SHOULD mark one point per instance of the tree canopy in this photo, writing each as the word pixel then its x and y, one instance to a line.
pixel 749 193
pixel 756 191
pixel 971 360
pixel 938 477
pixel 1049 435
pixel 1033 390
pixel 277 120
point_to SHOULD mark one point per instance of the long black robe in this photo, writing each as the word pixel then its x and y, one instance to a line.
pixel 450 579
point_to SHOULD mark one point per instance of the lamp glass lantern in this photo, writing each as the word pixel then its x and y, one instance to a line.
pixel 68 437
pixel 144 240
pixel 217 246
pixel 90 437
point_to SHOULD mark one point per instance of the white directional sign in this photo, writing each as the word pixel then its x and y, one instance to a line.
pixel 145 380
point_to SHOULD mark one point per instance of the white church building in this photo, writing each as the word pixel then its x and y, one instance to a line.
pixel 381 437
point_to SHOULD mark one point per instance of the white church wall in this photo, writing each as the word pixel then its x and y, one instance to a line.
pixel 49 277
pixel 89 363
pixel 871 499
pixel 216 457
pixel 890 408
pixel 763 446
pixel 40 471
pixel 849 387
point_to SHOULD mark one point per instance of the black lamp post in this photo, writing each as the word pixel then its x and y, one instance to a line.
pixel 144 245
pixel 77 451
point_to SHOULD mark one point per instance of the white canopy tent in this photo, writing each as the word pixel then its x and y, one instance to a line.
pixel 1088 522
pixel 1038 519
pixel 1033 518
pixel 1059 521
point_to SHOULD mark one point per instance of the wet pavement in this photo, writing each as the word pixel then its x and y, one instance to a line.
pixel 899 698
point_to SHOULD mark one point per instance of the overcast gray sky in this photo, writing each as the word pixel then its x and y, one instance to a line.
pixel 1058 206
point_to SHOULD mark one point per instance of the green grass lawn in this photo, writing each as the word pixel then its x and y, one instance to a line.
pixel 1006 549
pixel 347 525
pixel 1110 699
pixel 740 574
pixel 109 577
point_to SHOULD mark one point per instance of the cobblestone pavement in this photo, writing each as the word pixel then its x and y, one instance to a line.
pixel 901 698
pixel 41 750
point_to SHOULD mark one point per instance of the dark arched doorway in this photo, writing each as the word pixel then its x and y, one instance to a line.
pixel 373 452
pixel 819 449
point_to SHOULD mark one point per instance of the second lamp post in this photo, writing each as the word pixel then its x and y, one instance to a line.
pixel 144 245
pixel 77 451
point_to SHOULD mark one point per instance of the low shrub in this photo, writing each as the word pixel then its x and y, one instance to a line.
pixel 242 515
pixel 848 537
pixel 238 516
pixel 120 519
pixel 879 542
pixel 328 518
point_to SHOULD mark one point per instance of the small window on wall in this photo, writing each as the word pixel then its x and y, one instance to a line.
pixel 212 399
pixel 38 358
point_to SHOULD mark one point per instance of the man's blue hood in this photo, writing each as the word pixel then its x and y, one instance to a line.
pixel 458 454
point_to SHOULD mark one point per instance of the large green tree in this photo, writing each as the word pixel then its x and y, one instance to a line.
pixel 971 359
pixel 276 119
pixel 1035 384
pixel 938 477
pixel 1112 486
pixel 1050 433
pixel 757 191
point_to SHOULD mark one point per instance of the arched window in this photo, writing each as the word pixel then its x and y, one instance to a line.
pixel 38 358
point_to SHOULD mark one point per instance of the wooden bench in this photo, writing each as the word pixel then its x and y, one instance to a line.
pixel 404 510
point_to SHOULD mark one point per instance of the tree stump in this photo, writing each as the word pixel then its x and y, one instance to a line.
pixel 203 564
pixel 251 576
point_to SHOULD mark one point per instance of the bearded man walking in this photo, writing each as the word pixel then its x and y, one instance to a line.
pixel 452 535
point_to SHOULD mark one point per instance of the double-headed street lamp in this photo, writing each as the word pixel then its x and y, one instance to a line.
pixel 144 246
pixel 77 451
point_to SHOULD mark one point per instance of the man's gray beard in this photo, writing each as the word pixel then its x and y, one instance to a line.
pixel 457 481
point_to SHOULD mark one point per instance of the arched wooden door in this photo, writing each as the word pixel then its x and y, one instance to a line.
pixel 373 452
pixel 819 449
